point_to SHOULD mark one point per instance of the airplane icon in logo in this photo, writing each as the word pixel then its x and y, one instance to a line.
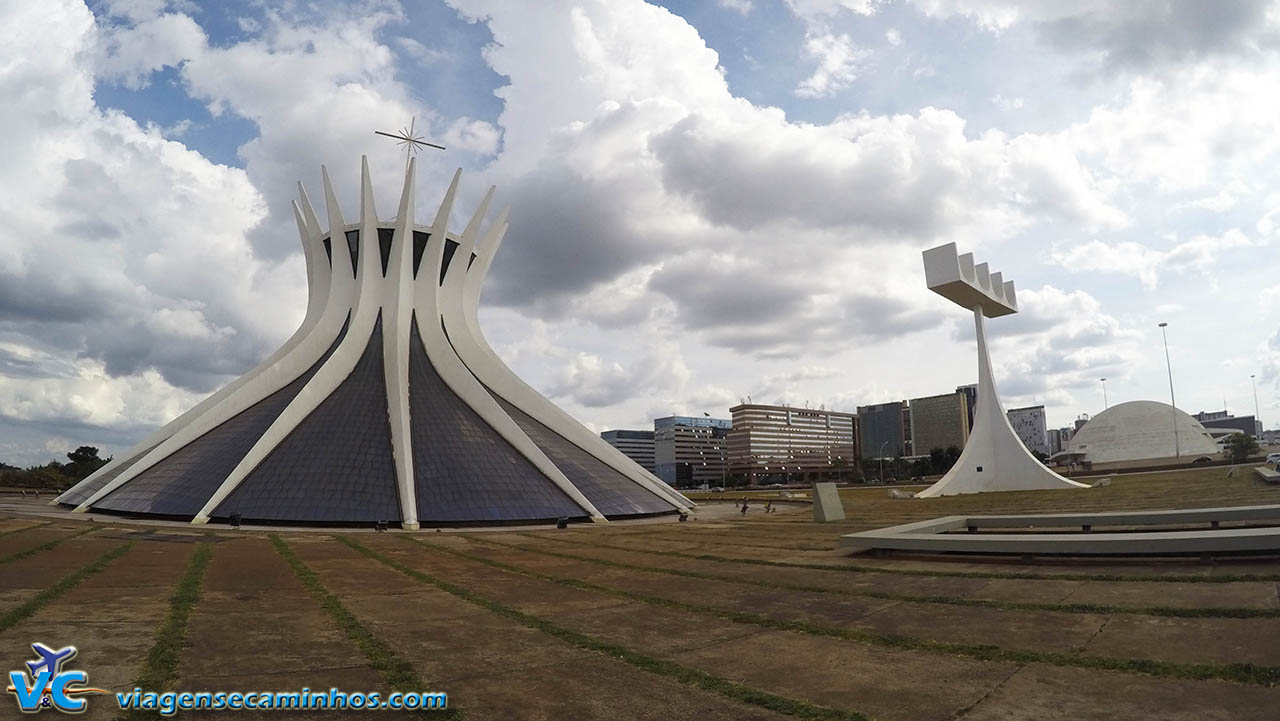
pixel 49 659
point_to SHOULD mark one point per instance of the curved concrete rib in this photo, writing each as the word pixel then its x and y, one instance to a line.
pixel 454 372
pixel 396 324
pixel 326 312
pixel 461 294
pixel 343 360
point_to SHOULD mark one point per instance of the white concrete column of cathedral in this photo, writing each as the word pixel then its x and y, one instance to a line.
pixel 387 403
pixel 994 458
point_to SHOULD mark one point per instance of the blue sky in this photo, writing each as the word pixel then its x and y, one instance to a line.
pixel 710 200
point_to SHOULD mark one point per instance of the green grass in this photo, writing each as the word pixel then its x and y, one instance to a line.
pixel 684 674
pixel 1237 672
pixel 1085 608
pixel 1109 577
pixel 46 546
pixel 161 666
pixel 397 672
pixel 43 598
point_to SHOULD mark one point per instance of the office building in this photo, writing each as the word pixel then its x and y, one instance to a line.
pixel 636 445
pixel 777 443
pixel 1029 424
pixel 880 430
pixel 939 422
pixel 690 451
pixel 1055 441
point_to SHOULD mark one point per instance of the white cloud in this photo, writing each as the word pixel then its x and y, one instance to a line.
pixel 1225 199
pixel 837 64
pixel 1138 34
pixel 742 6
pixel 1060 341
pixel 419 52
pixel 1198 254
pixel 650 204
pixel 1006 104
pixel 130 54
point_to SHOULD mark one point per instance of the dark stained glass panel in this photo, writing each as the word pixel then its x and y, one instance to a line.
pixel 465 471
pixel 335 466
pixel 184 481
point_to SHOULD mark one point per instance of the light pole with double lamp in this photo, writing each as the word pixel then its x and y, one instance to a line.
pixel 1173 407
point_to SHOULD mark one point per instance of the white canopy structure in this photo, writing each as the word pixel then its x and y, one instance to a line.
pixel 386 404
pixel 994 458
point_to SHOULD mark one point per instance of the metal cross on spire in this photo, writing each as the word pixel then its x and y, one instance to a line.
pixel 409 141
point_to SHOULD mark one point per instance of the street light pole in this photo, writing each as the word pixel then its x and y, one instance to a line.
pixel 1104 393
pixel 881 454
pixel 1177 453
pixel 1257 417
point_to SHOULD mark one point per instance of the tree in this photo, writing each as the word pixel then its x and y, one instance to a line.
pixel 84 461
pixel 942 460
pixel 1240 447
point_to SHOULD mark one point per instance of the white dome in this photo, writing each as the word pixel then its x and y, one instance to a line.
pixel 1139 430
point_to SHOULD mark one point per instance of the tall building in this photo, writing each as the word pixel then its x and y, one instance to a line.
pixel 636 445
pixel 387 405
pixel 1056 443
pixel 690 451
pixel 939 422
pixel 1029 424
pixel 970 399
pixel 880 430
pixel 777 443
pixel 908 444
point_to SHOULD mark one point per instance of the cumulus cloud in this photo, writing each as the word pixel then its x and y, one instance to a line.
pixel 1145 263
pixel 130 54
pixel 742 6
pixel 837 60
pixel 1138 34
pixel 1059 341
pixel 673 245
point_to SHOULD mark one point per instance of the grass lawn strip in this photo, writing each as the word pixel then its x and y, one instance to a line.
pixel 25 528
pixel 1238 672
pixel 46 546
pixel 161 666
pixel 1240 578
pixel 1084 608
pixel 684 674
pixel 398 673
pixel 43 598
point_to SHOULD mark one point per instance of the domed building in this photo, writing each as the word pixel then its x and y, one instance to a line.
pixel 386 406
pixel 1138 434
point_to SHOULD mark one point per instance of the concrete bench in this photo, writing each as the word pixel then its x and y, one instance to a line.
pixel 937 535
pixel 1269 476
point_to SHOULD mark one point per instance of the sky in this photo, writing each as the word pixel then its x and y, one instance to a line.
pixel 710 201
